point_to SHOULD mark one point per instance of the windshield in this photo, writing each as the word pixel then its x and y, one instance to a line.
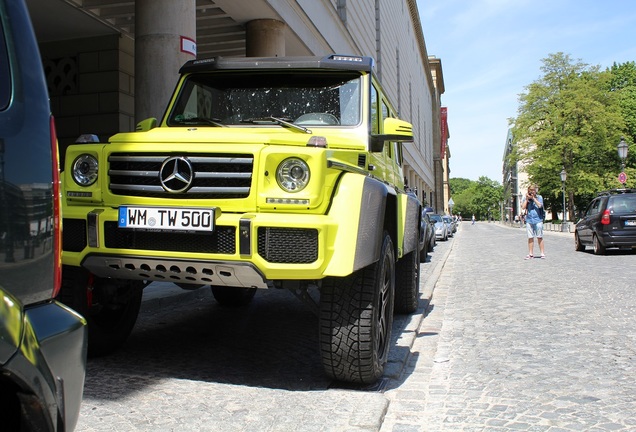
pixel 311 98
pixel 436 218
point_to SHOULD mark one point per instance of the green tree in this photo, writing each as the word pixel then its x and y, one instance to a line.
pixel 458 185
pixel 623 82
pixel 569 119
pixel 481 198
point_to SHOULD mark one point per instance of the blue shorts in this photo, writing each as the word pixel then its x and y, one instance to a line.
pixel 534 230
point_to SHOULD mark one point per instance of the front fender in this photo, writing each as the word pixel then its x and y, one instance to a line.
pixel 408 229
pixel 359 205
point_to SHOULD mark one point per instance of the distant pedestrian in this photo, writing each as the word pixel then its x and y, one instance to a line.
pixel 473 220
pixel 533 205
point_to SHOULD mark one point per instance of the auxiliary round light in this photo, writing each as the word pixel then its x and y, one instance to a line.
pixel 85 170
pixel 292 174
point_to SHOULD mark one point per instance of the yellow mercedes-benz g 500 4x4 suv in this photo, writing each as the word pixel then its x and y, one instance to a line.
pixel 263 173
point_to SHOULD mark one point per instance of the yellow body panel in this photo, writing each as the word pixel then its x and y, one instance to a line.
pixel 337 235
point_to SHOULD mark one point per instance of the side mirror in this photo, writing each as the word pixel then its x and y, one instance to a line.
pixel 394 130
pixel 146 125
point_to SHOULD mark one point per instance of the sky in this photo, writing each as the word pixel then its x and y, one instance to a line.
pixel 491 50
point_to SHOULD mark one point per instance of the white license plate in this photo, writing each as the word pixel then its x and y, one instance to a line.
pixel 630 223
pixel 164 218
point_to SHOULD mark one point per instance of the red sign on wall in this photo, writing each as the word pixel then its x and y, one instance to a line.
pixel 444 129
pixel 188 46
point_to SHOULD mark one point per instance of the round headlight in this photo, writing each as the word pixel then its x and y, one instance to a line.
pixel 292 175
pixel 85 170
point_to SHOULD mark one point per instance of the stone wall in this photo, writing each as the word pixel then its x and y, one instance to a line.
pixel 91 86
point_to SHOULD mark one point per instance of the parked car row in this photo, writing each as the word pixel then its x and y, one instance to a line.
pixel 444 226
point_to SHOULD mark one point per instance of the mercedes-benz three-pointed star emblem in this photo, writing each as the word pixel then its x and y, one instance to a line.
pixel 176 174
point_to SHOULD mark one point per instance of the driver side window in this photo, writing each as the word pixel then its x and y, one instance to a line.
pixel 594 207
pixel 375 128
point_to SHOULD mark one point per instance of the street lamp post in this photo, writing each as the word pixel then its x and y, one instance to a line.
pixel 564 176
pixel 622 154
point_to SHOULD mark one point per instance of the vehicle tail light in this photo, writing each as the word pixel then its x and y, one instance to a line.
pixel 57 220
pixel 605 219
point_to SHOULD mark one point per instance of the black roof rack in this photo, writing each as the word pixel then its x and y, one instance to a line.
pixel 616 191
pixel 333 61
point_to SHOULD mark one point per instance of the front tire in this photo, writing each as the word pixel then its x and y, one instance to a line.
pixel 356 316
pixel 578 246
pixel 110 306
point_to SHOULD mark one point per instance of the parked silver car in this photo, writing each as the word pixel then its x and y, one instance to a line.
pixel 442 230
pixel 452 227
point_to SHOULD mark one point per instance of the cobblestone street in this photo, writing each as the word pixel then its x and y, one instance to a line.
pixel 538 345
pixel 507 345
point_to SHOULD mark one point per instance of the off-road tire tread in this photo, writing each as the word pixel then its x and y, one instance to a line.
pixel 347 323
pixel 102 340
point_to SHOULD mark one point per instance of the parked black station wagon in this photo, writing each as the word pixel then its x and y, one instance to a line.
pixel 42 342
pixel 608 222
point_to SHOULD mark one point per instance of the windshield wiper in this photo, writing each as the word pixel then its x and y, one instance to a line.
pixel 281 121
pixel 201 120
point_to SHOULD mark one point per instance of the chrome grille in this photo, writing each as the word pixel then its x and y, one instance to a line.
pixel 213 176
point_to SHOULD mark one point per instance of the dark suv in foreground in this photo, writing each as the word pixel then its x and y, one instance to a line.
pixel 42 342
pixel 608 222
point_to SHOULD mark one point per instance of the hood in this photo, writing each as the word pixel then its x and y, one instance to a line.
pixel 348 139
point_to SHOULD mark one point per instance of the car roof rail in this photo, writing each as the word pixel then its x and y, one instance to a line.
pixel 616 191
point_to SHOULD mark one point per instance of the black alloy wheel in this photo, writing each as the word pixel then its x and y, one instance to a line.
pixel 110 306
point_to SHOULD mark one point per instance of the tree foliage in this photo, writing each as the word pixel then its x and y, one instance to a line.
pixel 483 197
pixel 571 118
pixel 623 82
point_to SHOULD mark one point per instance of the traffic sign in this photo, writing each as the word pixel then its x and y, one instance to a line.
pixel 622 177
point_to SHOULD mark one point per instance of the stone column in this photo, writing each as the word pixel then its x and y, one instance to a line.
pixel 165 32
pixel 265 38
